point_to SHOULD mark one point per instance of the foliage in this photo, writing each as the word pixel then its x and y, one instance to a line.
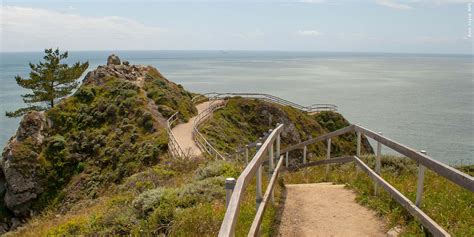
pixel 170 97
pixel 49 81
pixel 245 120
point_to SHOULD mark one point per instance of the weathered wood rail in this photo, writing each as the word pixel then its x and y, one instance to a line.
pixel 174 148
pixel 199 139
pixel 424 161
pixel 254 169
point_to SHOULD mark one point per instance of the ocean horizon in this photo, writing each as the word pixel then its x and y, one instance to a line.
pixel 424 101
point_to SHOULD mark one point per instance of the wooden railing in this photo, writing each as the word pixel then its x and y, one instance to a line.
pixel 269 98
pixel 424 161
pixel 254 169
pixel 174 148
pixel 199 139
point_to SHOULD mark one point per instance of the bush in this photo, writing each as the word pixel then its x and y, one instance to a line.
pixel 216 168
pixel 85 94
pixel 202 191
pixel 151 199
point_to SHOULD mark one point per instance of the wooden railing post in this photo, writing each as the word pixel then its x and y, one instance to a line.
pixel 271 166
pixel 359 138
pixel 246 154
pixel 328 155
pixel 304 154
pixel 278 141
pixel 421 177
pixel 378 164
pixel 229 188
pixel 286 159
pixel 258 191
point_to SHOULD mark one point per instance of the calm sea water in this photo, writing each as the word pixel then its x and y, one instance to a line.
pixel 423 101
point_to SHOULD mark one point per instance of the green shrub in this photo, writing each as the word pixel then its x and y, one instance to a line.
pixel 151 199
pixel 85 94
pixel 202 191
pixel 216 168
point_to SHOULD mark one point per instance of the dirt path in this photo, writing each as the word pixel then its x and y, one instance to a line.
pixel 184 133
pixel 323 209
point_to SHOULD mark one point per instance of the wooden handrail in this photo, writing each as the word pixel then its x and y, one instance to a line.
pixel 464 180
pixel 254 229
pixel 324 137
pixel 415 211
pixel 200 140
pixel 173 145
pixel 232 213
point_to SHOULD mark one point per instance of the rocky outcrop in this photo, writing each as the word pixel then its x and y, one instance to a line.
pixel 131 73
pixel 113 60
pixel 272 114
pixel 20 179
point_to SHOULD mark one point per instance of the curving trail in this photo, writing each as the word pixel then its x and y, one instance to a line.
pixel 324 209
pixel 184 133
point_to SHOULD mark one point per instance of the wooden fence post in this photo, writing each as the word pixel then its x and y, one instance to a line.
pixel 286 159
pixel 278 142
pixel 359 138
pixel 328 155
pixel 271 168
pixel 378 164
pixel 229 188
pixel 421 177
pixel 246 154
pixel 304 154
pixel 258 191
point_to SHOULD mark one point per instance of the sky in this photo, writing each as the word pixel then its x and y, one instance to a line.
pixel 395 26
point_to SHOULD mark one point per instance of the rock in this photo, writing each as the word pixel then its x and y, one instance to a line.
pixel 126 63
pixel 15 223
pixel 272 114
pixel 395 231
pixel 19 178
pixel 3 228
pixel 122 72
pixel 113 60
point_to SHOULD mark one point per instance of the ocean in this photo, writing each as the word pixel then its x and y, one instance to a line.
pixel 423 101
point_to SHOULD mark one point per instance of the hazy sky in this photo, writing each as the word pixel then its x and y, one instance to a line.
pixel 427 26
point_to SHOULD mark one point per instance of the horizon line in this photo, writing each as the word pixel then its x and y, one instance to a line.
pixel 246 50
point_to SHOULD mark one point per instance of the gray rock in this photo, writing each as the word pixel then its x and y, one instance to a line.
pixel 15 223
pixel 395 231
pixel 19 177
pixel 126 63
pixel 122 72
pixel 3 228
pixel 113 60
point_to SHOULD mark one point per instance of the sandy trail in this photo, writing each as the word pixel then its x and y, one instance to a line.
pixel 323 209
pixel 184 133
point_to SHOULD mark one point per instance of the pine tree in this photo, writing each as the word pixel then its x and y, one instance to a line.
pixel 49 81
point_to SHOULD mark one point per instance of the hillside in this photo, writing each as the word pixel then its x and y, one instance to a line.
pixel 112 127
pixel 243 121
